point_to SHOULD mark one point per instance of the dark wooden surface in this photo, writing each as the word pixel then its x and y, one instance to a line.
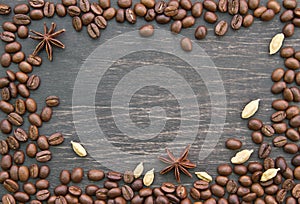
pixel 241 58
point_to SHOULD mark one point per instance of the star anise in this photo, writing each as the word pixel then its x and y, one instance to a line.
pixel 47 40
pixel 178 164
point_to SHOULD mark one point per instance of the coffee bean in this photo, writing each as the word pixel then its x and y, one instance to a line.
pixel 9 26
pixel 245 180
pixel 188 21
pixel 18 57
pixel 211 17
pixel 181 192
pixel 109 14
pixel 130 16
pixel 87 18
pixel 296 160
pixel 13 172
pixel 101 193
pixel 290 148
pixel 210 5
pixel 114 192
pixel 42 195
pixel 201 184
pixel 100 22
pixel 76 191
pixel 180 15
pixel 21 19
pixel 280 195
pixel 267 15
pixel 34 60
pixel 279 104
pixel 23 32
pixel 278 87
pixel 233 7
pixel 280 163
pixel 144 192
pixel 278 116
pixel 236 22
pixel 233 144
pixel 11 185
pixel 43 156
pixel 141 10
pixel 231 186
pixel 296 93
pixel 73 11
pixel 6 107
pixel 259 11
pixel 292 63
pixel 294 122
pixel 176 26
pixel 279 141
pixel 8 199
pixel 289 4
pixel 21 197
pixel 44 172
pixel 33 132
pixel 168 187
pixel 287 52
pixel 49 9
pixel 255 124
pixel 5 60
pixel 56 139
pixel 297 173
pixel 296 22
pixel 6 162
pixel 95 175
pixel 52 101
pixel 5 126
pixel 221 28
pixel 42 142
pixel 35 119
pixel 288 30
pixel 13 47
pixel 224 169
pixel 221 180
pixel 264 150
pixel 36 14
pixel 243 9
pixel 61 190
pixel 217 190
pixel 34 171
pixel 267 130
pixel 61 10
pixel 280 128
pixel 197 9
pixel 277 74
pixel 93 31
pixel 186 44
pixel 42 184
pixel 271 190
pixel 120 15
pixel 33 82
pixel 278 178
pixel 19 157
pixel 128 177
pixel 4 9
pixel 240 169
pixel 23 91
pixel 137 184
pixel 23 173
pixel 288 184
pixel 114 176
pixel 3 147
pixel 146 30
pixel 186 4
pixel 296 190
pixel 200 32
pixel 5 94
pixel 15 119
pixel 112 184
pixel 31 150
pixel 77 175
pixel 254 167
pixel 7 36
pixel 253 4
pixel 242 191
pixel 194 193
pixel 77 23
pixel 287 15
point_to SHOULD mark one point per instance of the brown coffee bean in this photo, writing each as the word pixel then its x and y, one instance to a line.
pixel 11 185
pixel 201 185
pixel 278 116
pixel 36 14
pixel 137 184
pixel 34 171
pixel 180 15
pixel 292 63
pixel 87 18
pixel 264 150
pixel 23 91
pixel 294 122
pixel 42 184
pixel 7 36
pixel 21 9
pixel 240 169
pixel 43 156
pixel 236 22
pixel 210 5
pixel 6 162
pixel 33 132
pixel 186 44
pixel 128 177
pixel 254 166
pixel 271 190
pixel 23 173
pixel 77 175
pixel 35 119
pixel 288 184
pixel 75 190
pixel 44 172
pixel 280 163
pixel 9 26
pixel 31 150
pixel 188 21
pixel 56 139
pixel 60 10
pixel 114 176
pixel 231 186
pixel 221 28
pixel 233 144
pixel 221 180
pixel 168 187
pixel 42 195
pixel 290 148
pixel 296 22
pixel 130 16
pixel 5 60
pixel 245 180
pixel 109 14
pixel 259 11
pixel 255 124
pixel 279 141
pixel 242 191
pixel 18 57
pixel 267 130
pixel 279 104
pixel 112 184
pixel 233 7
pixel 287 15
pixel 21 197
pixel 296 93
pixel 253 4
pixel 120 15
pixel 13 47
pixel 141 10
pixel 6 107
pixel 77 23
pixel 34 60
pixel 176 26
pixel 289 4
pixel 267 15
pixel 10 75
pixel 217 190
pixel 95 175
pixel 297 173
pixel 278 87
pixel 49 9
pixel 15 119
pixel 194 193
pixel 200 32
pixel 277 74
pixel 61 190
pixel 146 30
pixel 224 169
pixel 5 126
pixel 8 199
pixel 197 9
pixel 211 17
pixel 13 172
pixel 3 147
pixel 280 128
pixel 52 101
pixel 101 193
pixel 21 19
pixel 115 192
pixel 5 94
pixel 287 52
pixel 100 22
pixel 20 135
pixel 288 30
pixel 42 142
pixel 73 11
pixel 186 4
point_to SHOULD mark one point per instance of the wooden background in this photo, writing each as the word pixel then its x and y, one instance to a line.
pixel 241 58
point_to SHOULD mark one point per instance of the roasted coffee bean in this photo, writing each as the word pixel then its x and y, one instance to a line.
pixel 33 82
pixel 278 116
pixel 56 139
pixel 288 30
pixel 290 148
pixel 87 18
pixel 233 6
pixel 77 175
pixel 25 67
pixel 42 184
pixel 236 22
pixel 267 15
pixel 4 148
pixel 34 60
pixel 274 5
pixel 21 197
pixel 5 60
pixel 280 128
pixel 287 15
pixel 120 15
pixel 264 150
pixel 146 30
pixel 11 185
pixel 180 15
pixel 197 9
pixel 31 105
pixel 280 195
pixel 101 193
pixel 296 22
pixel 91 189
pixel 145 192
pixel 271 190
pixel 279 141
pixel 31 150
pixel 278 178
pixel 210 5
pixel 36 3
pixel 290 200
pixel 277 74
pixel 280 104
pixel 23 173
pixel 137 184
pixel 6 107
pixel 33 132
pixel 267 130
pixel 296 93
pixel 23 91
pixel 278 87
pixel 176 26
pixel 36 14
pixel 44 172
pixel 280 163
pixel 75 190
pixel 84 5
pixel 7 36
pixel 289 76
pixel 222 6
pixel 296 160
pixel 65 177
pixel 186 44
pixel 9 26
pixel 287 52
pixel 181 192
pixel 10 75
pixel 130 16
pixel 46 114
pixel 221 28
pixel 35 119
pixel 224 169
pixel 194 193
pixel 288 184
pixel 188 21
pixel 128 176
pixel 34 171
pixel 14 172
pixel 96 8
pixel 289 4
pixel 21 19
pixel 61 190
pixel 19 56
pixel 206 194
pixel 186 4
pixel 296 173
pixel 242 191
pixel 254 166
pixel 4 9
pixel 148 3
pixel 114 192
pixel 15 119
pixel 49 9
pixel 95 175
pixel 296 190
pixel 211 17
pixel 217 190
pixel 42 142
pixel 221 180
pixel 114 176
pixel 168 187
pixel 231 186
pixel 243 9
pixel 6 162
pixel 233 144
pixel 255 124
pixel 292 111
pixel 245 180
pixel 111 184
pixel 73 11
pixel 42 195
pixel 4 82
pixel 200 32
pixel 77 23
pixel 201 185
pixel 127 192
pixel 5 94
pixel 253 4
pixel 5 126
pixel 109 14
pixel 259 11
pixel 61 10
pixel 100 22
pixel 19 157
pixel 269 163
pixel 292 63
pixel 13 47
pixel 240 169
pixel 294 122
pixel 157 192
pixel 8 199
pixel 43 156
pixel 141 10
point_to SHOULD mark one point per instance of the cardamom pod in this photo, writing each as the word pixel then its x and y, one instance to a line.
pixel 242 156
pixel 149 177
pixel 138 170
pixel 250 109
pixel 269 174
pixel 276 43
pixel 78 149
pixel 204 176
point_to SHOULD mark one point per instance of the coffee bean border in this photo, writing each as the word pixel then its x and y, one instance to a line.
pixel 95 16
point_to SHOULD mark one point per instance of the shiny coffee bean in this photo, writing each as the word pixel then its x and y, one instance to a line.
pixel 49 9
pixel 35 119
pixel 288 30
pixel 77 175
pixel 211 17
pixel 5 59
pixel 34 60
pixel 233 6
pixel 61 10
pixel 5 126
pixel 109 14
pixel 248 20
pixel 233 144
pixel 33 132
pixel 176 26
pixel 222 6
pixel 197 9
pixel 290 148
pixel 236 22
pixel 42 142
pixel 36 14
pixel 224 169
pixel 200 32
pixel 87 18
pixel 43 156
pixel 186 44
pixel 221 28
pixel 34 171
pixel 31 150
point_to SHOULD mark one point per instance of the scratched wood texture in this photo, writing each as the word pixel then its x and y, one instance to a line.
pixel 241 58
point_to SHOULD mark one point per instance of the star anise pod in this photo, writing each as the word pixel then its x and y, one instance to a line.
pixel 181 164
pixel 47 40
